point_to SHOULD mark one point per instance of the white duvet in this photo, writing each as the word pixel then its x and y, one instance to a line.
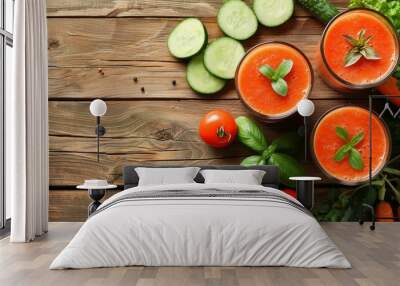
pixel 191 231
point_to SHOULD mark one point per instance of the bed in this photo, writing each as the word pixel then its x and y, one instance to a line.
pixel 198 224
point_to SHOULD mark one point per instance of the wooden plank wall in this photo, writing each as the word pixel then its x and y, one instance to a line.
pixel 98 48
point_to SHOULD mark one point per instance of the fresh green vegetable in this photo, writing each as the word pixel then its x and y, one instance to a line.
pixel 222 57
pixel 360 49
pixel 348 206
pixel 252 136
pixel 321 9
pixel 187 39
pixel 237 20
pixel 272 13
pixel 278 83
pixel 349 149
pixel 389 8
pixel 200 80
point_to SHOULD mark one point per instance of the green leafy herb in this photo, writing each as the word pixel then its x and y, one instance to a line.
pixel 279 85
pixel 250 134
pixel 349 149
pixel 360 48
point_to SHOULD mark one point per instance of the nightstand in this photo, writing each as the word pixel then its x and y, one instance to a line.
pixel 305 190
pixel 96 191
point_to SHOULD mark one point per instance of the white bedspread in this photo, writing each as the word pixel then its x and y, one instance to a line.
pixel 200 231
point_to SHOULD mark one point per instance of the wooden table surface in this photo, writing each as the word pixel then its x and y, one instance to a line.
pixel 98 48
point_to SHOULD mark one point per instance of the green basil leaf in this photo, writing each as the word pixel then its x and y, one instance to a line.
pixel 351 40
pixel 250 134
pixel 289 143
pixel 268 152
pixel 342 133
pixel 288 167
pixel 251 160
pixel 355 159
pixel 369 53
pixel 284 68
pixel 392 171
pixel 280 87
pixel 357 139
pixel 342 152
pixel 267 71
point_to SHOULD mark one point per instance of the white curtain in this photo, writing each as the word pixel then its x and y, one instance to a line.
pixel 27 124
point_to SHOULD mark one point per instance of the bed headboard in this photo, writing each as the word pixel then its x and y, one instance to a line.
pixel 271 178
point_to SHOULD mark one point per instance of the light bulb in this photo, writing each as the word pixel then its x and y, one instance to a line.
pixel 98 107
pixel 305 107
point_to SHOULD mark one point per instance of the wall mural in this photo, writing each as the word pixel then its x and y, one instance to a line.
pixel 350 144
pixel 267 88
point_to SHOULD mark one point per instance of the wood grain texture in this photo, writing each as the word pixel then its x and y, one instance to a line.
pixel 125 41
pixel 152 132
pixel 144 8
pixel 71 205
pixel 142 80
pixel 116 50
pixel 375 258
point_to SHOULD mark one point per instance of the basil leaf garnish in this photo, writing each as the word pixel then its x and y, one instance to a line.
pixel 355 159
pixel 357 139
pixel 279 85
pixel 284 68
pixel 267 71
pixel 342 133
pixel 342 152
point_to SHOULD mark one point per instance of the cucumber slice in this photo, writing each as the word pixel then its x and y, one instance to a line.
pixel 237 20
pixel 223 56
pixel 200 79
pixel 187 39
pixel 272 13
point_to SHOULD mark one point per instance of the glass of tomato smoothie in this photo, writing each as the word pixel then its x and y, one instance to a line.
pixel 359 49
pixel 256 89
pixel 332 140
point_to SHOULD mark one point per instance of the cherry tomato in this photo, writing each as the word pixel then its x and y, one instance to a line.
pixel 218 128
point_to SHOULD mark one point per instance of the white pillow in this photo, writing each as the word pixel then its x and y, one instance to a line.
pixel 166 176
pixel 247 177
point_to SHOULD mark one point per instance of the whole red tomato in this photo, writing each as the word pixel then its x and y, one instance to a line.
pixel 218 128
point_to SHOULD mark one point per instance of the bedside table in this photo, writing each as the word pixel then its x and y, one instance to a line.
pixel 96 193
pixel 305 190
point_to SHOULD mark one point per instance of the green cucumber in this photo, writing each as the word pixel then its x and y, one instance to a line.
pixel 200 79
pixel 237 20
pixel 187 39
pixel 321 9
pixel 222 57
pixel 272 13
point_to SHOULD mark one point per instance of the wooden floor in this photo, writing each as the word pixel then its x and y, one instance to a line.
pixel 375 257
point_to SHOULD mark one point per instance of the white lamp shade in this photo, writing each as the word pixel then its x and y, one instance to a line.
pixel 98 107
pixel 305 107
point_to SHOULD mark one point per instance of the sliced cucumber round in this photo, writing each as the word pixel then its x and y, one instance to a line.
pixel 237 20
pixel 272 13
pixel 200 79
pixel 223 56
pixel 187 39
